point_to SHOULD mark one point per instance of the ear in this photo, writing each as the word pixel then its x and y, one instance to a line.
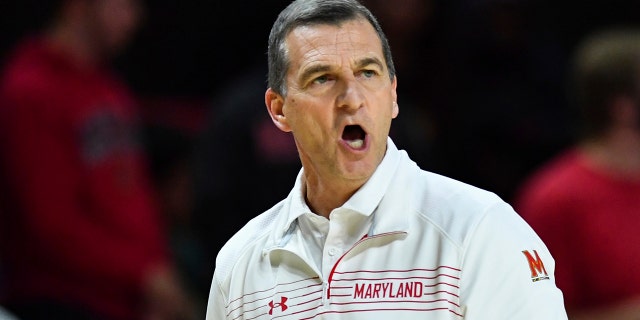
pixel 275 106
pixel 394 95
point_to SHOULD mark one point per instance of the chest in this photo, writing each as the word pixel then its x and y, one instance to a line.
pixel 378 278
pixel 609 244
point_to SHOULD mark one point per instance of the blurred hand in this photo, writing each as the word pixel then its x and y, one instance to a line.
pixel 166 298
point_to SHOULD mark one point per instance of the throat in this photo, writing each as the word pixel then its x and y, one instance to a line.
pixel 322 198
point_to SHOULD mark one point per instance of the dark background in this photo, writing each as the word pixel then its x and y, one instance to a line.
pixel 190 47
pixel 482 91
pixel 183 48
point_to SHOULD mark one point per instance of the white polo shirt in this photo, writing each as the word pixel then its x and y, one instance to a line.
pixel 410 244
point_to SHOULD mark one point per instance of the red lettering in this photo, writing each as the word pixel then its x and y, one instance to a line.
pixel 388 290
pixel 535 264
pixel 368 292
pixel 359 291
pixel 417 289
pixel 400 293
pixel 408 289
pixel 385 289
pixel 376 290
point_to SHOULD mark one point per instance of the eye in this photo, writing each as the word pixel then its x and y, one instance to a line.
pixel 369 73
pixel 321 79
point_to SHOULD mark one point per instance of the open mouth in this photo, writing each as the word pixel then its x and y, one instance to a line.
pixel 354 136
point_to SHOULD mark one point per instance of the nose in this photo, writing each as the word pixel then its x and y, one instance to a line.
pixel 352 95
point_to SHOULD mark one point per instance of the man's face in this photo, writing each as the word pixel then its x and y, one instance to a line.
pixel 340 100
pixel 115 22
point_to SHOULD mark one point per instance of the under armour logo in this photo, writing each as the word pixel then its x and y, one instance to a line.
pixel 280 305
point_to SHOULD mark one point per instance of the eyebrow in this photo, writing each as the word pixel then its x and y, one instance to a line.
pixel 313 70
pixel 324 68
pixel 368 61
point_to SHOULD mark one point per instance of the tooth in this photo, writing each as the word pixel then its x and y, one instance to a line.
pixel 356 144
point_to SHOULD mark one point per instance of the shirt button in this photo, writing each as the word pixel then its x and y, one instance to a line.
pixel 332 251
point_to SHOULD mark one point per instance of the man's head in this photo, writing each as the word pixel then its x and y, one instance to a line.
pixel 300 13
pixel 606 80
pixel 104 25
pixel 332 84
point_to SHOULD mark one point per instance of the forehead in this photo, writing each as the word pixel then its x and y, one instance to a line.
pixel 327 43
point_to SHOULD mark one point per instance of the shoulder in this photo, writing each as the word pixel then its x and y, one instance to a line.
pixel 552 185
pixel 251 237
pixel 453 208
pixel 27 63
pixel 28 76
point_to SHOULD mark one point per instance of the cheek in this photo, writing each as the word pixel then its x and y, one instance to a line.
pixel 307 127
pixel 309 116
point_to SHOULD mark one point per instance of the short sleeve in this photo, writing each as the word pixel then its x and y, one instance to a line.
pixel 508 272
pixel 215 305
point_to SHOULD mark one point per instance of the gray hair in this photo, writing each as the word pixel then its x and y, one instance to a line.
pixel 314 12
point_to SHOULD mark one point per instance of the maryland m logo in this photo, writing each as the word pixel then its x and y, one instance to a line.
pixel 538 272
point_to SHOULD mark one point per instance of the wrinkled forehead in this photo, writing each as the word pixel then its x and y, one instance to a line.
pixel 325 41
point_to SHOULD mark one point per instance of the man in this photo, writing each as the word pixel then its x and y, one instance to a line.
pixel 365 233
pixel 585 202
pixel 82 238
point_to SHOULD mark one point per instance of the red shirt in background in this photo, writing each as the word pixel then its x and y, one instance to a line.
pixel 590 222
pixel 81 223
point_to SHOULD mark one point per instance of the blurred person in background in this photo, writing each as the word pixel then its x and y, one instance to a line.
pixel 239 152
pixel 82 237
pixel 585 203
pixel 255 156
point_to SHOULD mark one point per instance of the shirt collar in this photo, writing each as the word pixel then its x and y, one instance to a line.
pixel 364 201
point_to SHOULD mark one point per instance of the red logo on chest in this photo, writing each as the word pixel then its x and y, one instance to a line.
pixel 282 305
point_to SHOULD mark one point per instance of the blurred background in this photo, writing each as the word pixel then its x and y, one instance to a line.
pixel 481 87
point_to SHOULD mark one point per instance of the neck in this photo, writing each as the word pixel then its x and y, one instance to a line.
pixel 617 152
pixel 74 42
pixel 323 196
